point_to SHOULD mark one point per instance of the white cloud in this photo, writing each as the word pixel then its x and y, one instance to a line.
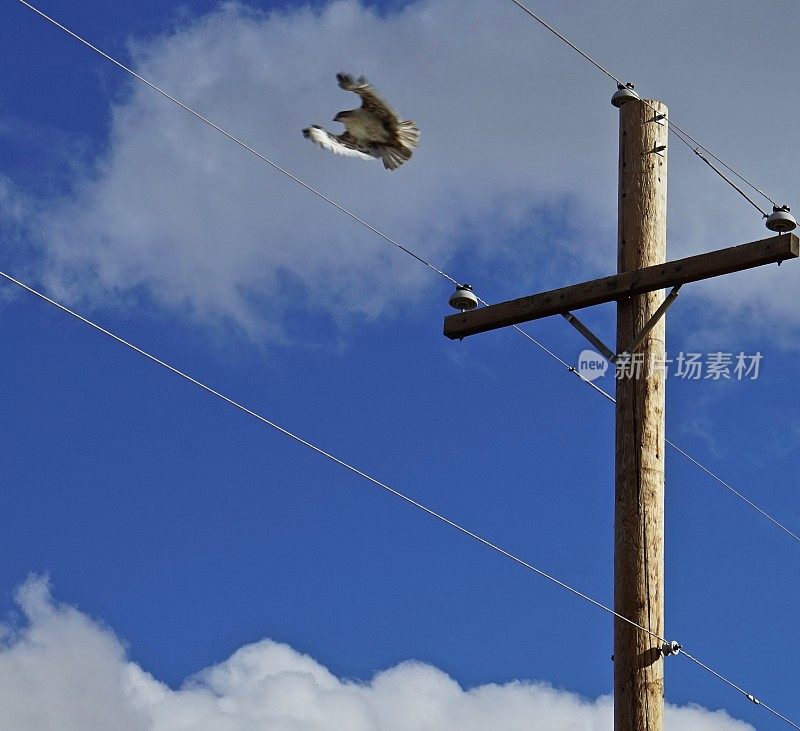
pixel 175 208
pixel 61 669
pixel 514 125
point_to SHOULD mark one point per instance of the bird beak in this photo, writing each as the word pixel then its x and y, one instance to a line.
pixel 306 132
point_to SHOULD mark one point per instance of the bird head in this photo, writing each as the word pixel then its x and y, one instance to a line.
pixel 342 116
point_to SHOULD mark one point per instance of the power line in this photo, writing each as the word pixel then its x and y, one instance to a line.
pixel 325 454
pixel 696 146
pixel 733 685
pixel 722 162
pixel 350 467
pixel 239 142
pixel 376 231
pixel 697 151
pixel 555 357
pixel 384 486
pixel 672 444
pixel 566 40
pixel 673 126
pixel 684 453
pixel 690 141
pixel 735 492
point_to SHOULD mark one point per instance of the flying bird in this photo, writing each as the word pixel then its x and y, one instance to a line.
pixel 374 130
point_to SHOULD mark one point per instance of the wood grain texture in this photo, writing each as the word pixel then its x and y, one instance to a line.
pixel 625 284
pixel 639 470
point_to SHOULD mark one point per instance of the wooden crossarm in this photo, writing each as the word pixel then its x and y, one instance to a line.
pixel 617 286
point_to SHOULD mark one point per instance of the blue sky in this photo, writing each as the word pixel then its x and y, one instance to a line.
pixel 186 530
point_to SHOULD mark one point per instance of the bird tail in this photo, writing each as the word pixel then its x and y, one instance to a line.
pixel 408 132
pixel 393 157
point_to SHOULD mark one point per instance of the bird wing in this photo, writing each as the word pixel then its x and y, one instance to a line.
pixel 343 144
pixel 370 100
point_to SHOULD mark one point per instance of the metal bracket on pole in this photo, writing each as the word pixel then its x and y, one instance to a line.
pixel 638 340
pixel 657 315
pixel 590 336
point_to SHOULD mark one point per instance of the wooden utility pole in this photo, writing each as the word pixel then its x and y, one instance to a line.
pixel 639 464
pixel 637 288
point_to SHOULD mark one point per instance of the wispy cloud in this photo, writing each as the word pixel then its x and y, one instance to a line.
pixel 174 208
pixel 61 669
pixel 516 170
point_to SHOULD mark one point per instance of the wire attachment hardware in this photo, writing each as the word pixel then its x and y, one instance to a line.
pixel 463 298
pixel 781 220
pixel 671 648
pixel 625 355
pixel 623 95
